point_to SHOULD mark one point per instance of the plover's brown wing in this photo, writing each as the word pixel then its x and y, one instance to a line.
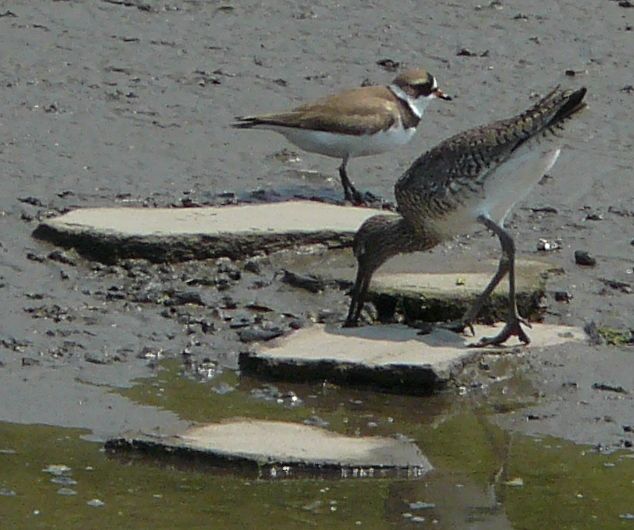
pixel 464 160
pixel 356 112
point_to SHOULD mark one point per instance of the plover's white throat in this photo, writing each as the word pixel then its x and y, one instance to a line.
pixel 356 122
pixel 473 177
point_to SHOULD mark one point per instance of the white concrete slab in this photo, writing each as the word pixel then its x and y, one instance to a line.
pixel 456 285
pixel 185 233
pixel 436 297
pixel 391 357
pixel 285 444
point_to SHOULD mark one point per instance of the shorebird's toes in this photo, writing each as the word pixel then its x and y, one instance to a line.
pixel 513 328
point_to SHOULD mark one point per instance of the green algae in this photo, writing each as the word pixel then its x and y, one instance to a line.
pixel 482 473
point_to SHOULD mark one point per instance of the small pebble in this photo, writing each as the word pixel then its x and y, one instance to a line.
pixel 66 492
pixel 548 245
pixel 316 421
pixel 95 503
pixel 420 505
pixel 594 217
pixel 56 469
pixel 563 296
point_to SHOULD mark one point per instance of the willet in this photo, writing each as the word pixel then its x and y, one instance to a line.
pixel 472 178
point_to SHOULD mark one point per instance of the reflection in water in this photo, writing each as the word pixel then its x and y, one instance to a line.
pixel 483 478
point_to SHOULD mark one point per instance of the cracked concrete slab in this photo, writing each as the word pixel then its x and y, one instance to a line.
pixel 268 443
pixel 176 234
pixel 389 357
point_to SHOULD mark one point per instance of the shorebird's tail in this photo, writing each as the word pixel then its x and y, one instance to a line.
pixel 552 110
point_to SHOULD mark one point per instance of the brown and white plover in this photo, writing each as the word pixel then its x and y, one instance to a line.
pixel 357 122
pixel 472 178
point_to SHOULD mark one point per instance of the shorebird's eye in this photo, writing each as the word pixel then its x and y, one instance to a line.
pixel 424 89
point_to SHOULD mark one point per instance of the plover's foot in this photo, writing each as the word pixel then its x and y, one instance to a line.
pixel 368 199
pixel 513 328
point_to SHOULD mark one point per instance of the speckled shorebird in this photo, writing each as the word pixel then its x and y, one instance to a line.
pixel 474 177
pixel 357 122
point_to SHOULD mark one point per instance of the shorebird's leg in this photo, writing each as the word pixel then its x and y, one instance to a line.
pixel 350 192
pixel 474 310
pixel 513 326
pixel 358 294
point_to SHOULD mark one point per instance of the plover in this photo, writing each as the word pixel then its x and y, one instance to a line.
pixel 357 122
pixel 472 178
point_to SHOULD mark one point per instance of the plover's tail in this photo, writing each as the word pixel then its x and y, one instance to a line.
pixel 282 119
pixel 245 122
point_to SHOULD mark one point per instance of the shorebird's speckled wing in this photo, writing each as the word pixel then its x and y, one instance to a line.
pixel 461 164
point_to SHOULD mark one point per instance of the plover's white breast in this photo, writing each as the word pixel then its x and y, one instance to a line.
pixel 341 145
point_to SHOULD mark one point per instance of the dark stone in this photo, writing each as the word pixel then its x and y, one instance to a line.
pixel 303 281
pixel 582 257
pixel 30 361
pixel 259 335
pixel 622 287
pixel 35 257
pixel 389 64
pixel 609 388
pixel 61 257
pixel 253 266
pixel 563 296
pixel 594 217
pixel 185 297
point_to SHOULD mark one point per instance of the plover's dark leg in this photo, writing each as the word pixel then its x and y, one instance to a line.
pixel 514 323
pixel 350 192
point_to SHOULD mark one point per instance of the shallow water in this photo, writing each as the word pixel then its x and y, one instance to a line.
pixel 483 478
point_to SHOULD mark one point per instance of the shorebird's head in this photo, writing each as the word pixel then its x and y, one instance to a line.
pixel 379 238
pixel 418 87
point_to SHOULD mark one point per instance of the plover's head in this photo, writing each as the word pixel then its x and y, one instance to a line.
pixel 418 87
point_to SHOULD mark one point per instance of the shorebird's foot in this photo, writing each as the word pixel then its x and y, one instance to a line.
pixel 513 328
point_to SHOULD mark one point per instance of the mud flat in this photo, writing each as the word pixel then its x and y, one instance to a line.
pixel 388 357
pixel 178 234
pixel 260 443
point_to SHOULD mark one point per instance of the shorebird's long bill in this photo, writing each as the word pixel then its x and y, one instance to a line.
pixel 440 94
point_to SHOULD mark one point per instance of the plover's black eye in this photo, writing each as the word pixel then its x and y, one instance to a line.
pixel 425 89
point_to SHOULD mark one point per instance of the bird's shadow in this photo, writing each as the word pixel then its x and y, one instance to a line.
pixel 400 333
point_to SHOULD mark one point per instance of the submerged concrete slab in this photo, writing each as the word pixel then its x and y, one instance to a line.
pixel 268 443
pixel 173 234
pixel 390 357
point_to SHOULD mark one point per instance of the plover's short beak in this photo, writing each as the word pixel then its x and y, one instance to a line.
pixel 440 94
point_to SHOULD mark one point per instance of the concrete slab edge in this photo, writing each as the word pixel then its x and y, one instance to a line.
pixel 192 459
pixel 112 247
pixel 440 308
pixel 393 378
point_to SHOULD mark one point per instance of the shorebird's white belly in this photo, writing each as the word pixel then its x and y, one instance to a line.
pixel 508 184
pixel 514 180
pixel 347 145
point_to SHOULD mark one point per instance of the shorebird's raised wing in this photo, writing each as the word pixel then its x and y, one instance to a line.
pixel 468 157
